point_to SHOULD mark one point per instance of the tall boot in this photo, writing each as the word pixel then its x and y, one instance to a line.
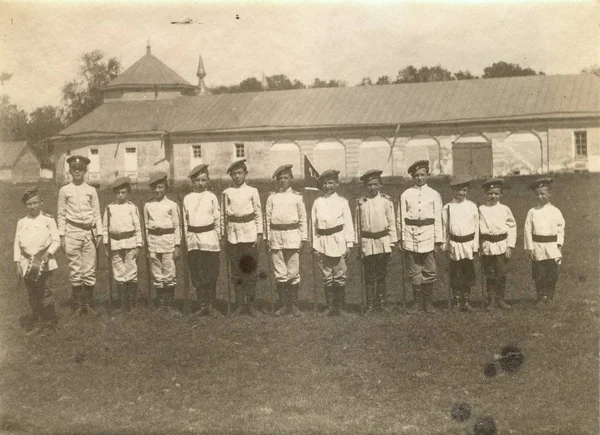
pixel 456 299
pixel 294 289
pixel 122 295
pixel 284 299
pixel 342 304
pixel 170 300
pixel 49 317
pixel 370 293
pixel 491 294
pixel 500 291
pixel 417 305
pixel 160 297
pixel 212 301
pixel 336 302
pixel 132 290
pixel 381 296
pixel 77 298
pixel 540 289
pixel 202 302
pixel 467 307
pixel 550 289
pixel 240 301
pixel 88 295
pixel 251 309
pixel 428 298
pixel 328 298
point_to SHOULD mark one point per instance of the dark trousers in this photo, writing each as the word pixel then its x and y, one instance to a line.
pixel 494 266
pixel 375 267
pixel 204 271
pixel 243 260
pixel 545 275
pixel 40 295
pixel 462 277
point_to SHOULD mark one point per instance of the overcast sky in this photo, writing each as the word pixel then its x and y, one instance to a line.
pixel 41 42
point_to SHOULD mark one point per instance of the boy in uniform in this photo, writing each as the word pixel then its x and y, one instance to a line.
pixel 164 238
pixel 497 236
pixel 420 225
pixel 125 232
pixel 286 233
pixel 36 242
pixel 376 235
pixel 201 217
pixel 333 237
pixel 243 228
pixel 544 238
pixel 80 231
pixel 460 224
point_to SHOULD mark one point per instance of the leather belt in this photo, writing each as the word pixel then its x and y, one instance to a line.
pixel 284 227
pixel 370 235
pixel 161 231
pixel 493 237
pixel 122 236
pixel 419 222
pixel 86 227
pixel 329 231
pixel 202 229
pixel 241 219
pixel 462 239
pixel 544 239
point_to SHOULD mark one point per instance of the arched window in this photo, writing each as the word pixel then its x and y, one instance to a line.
pixel 375 153
pixel 472 155
pixel 523 153
pixel 330 154
pixel 285 152
pixel 423 147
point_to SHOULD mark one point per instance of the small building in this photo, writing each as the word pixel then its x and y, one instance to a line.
pixel 19 163
pixel 485 127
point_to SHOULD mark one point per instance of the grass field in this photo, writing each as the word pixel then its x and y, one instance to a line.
pixel 151 373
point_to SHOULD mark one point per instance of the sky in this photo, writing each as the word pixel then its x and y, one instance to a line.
pixel 42 41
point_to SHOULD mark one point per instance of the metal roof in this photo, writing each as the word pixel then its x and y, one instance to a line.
pixel 483 100
pixel 146 72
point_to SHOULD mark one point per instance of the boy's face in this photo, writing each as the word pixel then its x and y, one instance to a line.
pixel 328 186
pixel 238 176
pixel 373 186
pixel 121 193
pixel 494 194
pixel 78 172
pixel 34 205
pixel 461 192
pixel 159 189
pixel 200 182
pixel 420 176
pixel 284 181
pixel 543 195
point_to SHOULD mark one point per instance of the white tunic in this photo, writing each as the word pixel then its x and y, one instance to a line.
pixel 460 219
pixel 163 214
pixel 544 220
pixel 33 235
pixel 329 212
pixel 242 201
pixel 376 215
pixel 495 220
pixel 124 218
pixel 78 204
pixel 420 202
pixel 285 208
pixel 202 209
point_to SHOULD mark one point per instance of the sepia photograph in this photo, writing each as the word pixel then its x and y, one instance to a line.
pixel 300 217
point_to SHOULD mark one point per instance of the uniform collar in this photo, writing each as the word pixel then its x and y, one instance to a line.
pixel 420 187
pixel 241 186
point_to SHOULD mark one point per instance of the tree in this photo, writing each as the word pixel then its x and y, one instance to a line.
pixel 504 69
pixel 84 93
pixel 44 122
pixel 318 83
pixel 281 82
pixel 4 77
pixel 593 69
pixel 464 75
pixel 424 74
pixel 13 121
pixel 383 80
pixel 251 84
pixel 366 81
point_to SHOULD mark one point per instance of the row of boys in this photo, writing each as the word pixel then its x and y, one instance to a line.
pixel 425 227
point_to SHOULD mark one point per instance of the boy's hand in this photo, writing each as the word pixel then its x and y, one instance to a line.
pixel 508 253
pixel 98 241
pixel 106 251
pixel 63 244
pixel 302 245
pixel 257 241
pixel 138 252
pixel 529 253
pixel 437 247
pixel 177 253
pixel 19 269
pixel 45 257
pixel 347 253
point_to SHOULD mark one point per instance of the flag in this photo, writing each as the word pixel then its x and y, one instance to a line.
pixel 311 175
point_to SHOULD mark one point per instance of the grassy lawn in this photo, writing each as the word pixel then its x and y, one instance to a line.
pixel 151 373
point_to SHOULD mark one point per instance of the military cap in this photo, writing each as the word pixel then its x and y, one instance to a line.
pixel 541 182
pixel 159 176
pixel 121 182
pixel 419 164
pixel 329 174
pixel 198 169
pixel 280 170
pixel 460 180
pixel 493 183
pixel 236 165
pixel 78 161
pixel 370 174
pixel 32 192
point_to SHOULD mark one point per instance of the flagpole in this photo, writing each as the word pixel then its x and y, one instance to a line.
pixel 310 180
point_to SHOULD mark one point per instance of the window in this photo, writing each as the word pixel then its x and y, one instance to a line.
pixel 94 151
pixel 197 151
pixel 94 166
pixel 240 151
pixel 131 164
pixel 581 144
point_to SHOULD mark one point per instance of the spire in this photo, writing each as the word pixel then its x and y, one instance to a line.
pixel 201 73
pixel 264 84
pixel 148 48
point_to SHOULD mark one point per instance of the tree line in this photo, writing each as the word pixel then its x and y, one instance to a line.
pixel 83 94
